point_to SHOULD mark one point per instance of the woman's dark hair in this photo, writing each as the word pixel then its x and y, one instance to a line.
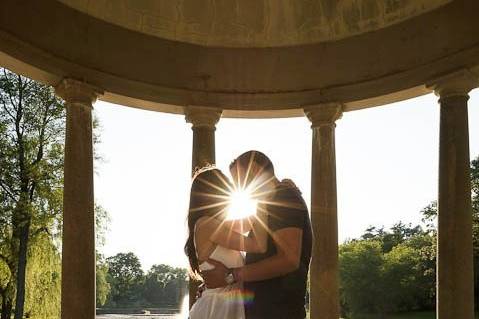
pixel 208 197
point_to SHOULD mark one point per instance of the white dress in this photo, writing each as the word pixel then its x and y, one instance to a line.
pixel 221 303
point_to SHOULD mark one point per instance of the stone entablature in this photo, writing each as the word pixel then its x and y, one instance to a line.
pixel 369 69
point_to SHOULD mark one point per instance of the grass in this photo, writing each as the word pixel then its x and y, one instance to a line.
pixel 407 315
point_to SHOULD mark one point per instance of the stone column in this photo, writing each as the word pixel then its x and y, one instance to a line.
pixel 78 247
pixel 455 292
pixel 324 274
pixel 203 122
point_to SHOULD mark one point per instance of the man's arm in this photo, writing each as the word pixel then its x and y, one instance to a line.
pixel 288 242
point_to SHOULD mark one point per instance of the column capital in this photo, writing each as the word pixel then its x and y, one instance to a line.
pixel 77 92
pixel 202 116
pixel 458 83
pixel 324 114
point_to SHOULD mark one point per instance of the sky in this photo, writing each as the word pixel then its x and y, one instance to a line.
pixel 386 162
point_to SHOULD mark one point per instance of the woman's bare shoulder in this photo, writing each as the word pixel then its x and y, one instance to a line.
pixel 203 231
pixel 206 222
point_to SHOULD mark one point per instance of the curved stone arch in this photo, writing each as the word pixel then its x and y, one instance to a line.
pixel 138 70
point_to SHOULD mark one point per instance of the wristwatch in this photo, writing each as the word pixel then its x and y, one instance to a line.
pixel 230 279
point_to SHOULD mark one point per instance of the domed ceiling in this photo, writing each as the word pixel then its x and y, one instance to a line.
pixel 249 58
pixel 254 23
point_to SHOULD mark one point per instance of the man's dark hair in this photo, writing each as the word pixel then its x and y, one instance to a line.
pixel 257 157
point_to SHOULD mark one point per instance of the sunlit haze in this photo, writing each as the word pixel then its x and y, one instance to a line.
pixel 242 205
pixel 387 169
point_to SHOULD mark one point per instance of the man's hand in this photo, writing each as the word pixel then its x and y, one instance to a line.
pixel 200 290
pixel 216 277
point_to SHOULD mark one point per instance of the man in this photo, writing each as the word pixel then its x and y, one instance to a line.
pixel 276 280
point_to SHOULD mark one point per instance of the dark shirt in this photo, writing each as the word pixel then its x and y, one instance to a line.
pixel 282 297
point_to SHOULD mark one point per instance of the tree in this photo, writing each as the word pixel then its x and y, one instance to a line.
pixel 395 270
pixel 4 281
pixel 31 176
pixel 430 218
pixel 164 284
pixel 43 280
pixel 388 271
pixel 401 272
pixel 399 233
pixel 126 278
pixel 103 287
pixel 32 122
pixel 425 246
pixel 360 273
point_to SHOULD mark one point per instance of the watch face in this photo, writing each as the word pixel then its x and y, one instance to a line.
pixel 230 279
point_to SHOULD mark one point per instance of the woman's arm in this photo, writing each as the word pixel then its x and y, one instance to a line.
pixel 287 259
pixel 241 226
pixel 223 234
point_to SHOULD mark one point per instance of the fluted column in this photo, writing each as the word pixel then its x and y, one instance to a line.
pixel 203 122
pixel 78 247
pixel 324 274
pixel 455 291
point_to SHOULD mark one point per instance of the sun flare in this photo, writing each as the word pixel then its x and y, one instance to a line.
pixel 241 205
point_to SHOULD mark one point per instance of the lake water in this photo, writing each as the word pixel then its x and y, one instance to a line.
pixel 139 317
pixel 182 315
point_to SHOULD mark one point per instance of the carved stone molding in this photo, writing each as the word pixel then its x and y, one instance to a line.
pixel 458 83
pixel 202 116
pixel 78 92
pixel 325 114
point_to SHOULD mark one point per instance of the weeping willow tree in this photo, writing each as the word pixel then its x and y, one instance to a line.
pixel 43 284
pixel 32 125
pixel 5 276
pixel 103 287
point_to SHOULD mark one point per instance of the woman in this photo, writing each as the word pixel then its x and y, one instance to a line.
pixel 211 236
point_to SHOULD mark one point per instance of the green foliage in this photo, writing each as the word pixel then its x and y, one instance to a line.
pixel 126 279
pixel 398 234
pixel 103 287
pixel 388 271
pixel 102 220
pixel 360 270
pixel 164 285
pixel 424 245
pixel 401 271
pixel 31 153
pixel 43 279
pixel 32 122
pixel 430 217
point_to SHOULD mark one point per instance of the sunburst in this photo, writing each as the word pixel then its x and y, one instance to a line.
pixel 241 201
pixel 241 204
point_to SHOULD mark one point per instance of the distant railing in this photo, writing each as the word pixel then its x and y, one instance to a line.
pixel 138 311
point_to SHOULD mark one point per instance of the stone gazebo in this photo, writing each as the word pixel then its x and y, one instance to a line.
pixel 255 59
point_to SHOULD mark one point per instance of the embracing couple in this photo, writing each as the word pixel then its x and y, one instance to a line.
pixel 269 281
